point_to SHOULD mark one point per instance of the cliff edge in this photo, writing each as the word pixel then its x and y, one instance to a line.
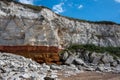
pixel 22 24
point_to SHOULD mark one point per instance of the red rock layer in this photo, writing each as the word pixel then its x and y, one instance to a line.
pixel 40 54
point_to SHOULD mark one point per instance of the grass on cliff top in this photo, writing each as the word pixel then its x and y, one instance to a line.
pixel 36 8
pixel 94 22
pixel 115 51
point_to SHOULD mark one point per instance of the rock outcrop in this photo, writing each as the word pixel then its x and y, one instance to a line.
pixel 91 61
pixel 25 25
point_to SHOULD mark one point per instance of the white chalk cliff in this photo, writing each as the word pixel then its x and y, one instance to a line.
pixel 21 25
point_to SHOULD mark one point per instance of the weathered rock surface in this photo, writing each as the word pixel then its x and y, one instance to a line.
pixel 102 62
pixel 20 25
pixel 13 67
pixel 17 67
pixel 41 54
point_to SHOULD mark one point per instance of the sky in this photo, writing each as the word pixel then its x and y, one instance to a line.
pixel 93 10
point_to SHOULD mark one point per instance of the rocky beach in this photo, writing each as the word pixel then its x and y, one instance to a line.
pixel 38 44
pixel 15 67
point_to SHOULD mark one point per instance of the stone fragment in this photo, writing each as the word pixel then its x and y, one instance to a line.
pixel 107 58
pixel 96 60
pixel 55 67
pixel 64 56
pixel 114 64
pixel 70 60
pixel 117 69
pixel 25 76
pixel 100 67
pixel 79 61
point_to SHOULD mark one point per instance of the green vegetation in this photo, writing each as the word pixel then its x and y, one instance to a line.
pixel 115 51
pixel 105 22
pixel 6 1
pixel 9 0
pixel 36 8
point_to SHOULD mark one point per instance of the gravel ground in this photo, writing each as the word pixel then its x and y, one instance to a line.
pixel 92 76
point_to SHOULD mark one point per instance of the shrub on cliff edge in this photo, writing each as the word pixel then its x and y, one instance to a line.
pixel 115 51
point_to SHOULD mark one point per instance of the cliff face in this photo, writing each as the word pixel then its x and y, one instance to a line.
pixel 20 25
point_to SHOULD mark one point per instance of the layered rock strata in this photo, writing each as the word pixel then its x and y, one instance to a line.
pixel 23 25
pixel 41 54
